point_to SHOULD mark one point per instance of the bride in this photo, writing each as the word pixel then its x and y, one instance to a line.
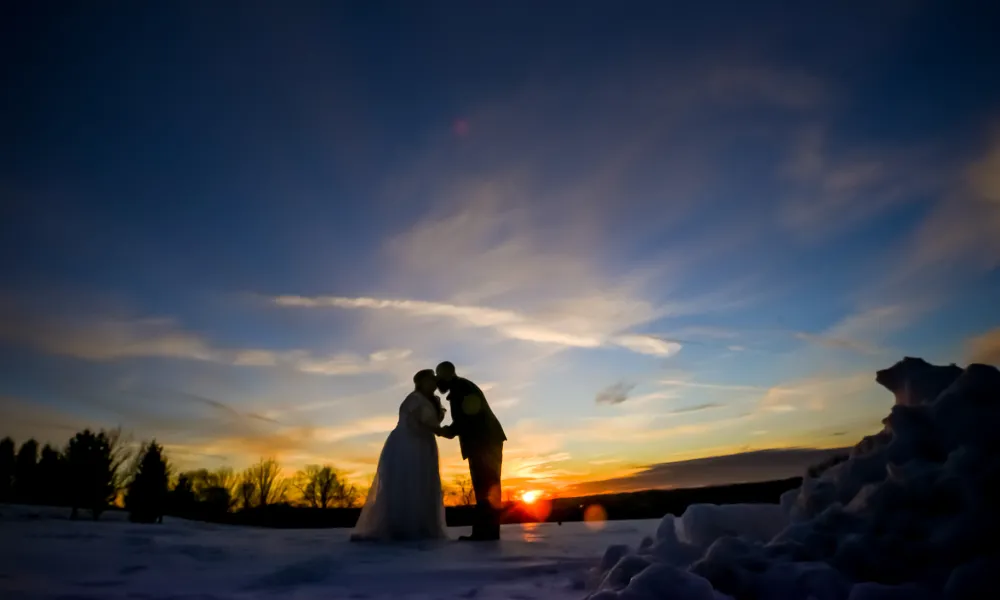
pixel 405 500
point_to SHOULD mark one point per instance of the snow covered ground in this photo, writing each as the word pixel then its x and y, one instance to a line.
pixel 42 555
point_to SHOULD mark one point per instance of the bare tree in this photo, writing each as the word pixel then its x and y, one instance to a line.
pixel 225 477
pixel 122 451
pixel 247 491
pixel 316 484
pixel 269 486
pixel 462 490
pixel 221 488
pixel 322 486
pixel 346 495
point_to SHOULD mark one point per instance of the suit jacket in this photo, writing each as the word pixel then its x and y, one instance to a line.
pixel 472 419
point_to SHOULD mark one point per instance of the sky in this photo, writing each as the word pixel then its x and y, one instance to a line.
pixel 672 244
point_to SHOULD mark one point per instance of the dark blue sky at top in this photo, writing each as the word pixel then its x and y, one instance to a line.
pixel 215 142
pixel 184 160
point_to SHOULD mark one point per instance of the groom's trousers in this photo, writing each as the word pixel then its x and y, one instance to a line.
pixel 484 467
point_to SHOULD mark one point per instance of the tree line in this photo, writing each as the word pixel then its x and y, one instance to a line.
pixel 95 471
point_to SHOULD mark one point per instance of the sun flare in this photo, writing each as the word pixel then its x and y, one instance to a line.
pixel 530 496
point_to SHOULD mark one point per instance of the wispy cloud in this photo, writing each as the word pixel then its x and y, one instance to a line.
pixel 696 408
pixel 836 343
pixel 110 339
pixel 647 344
pixel 864 332
pixel 833 193
pixel 361 427
pixel 505 403
pixel 960 236
pixel 816 393
pixel 684 383
pixel 574 332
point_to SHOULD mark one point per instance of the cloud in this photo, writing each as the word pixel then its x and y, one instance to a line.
pixel 647 344
pixel 636 428
pixel 815 394
pixel 615 393
pixel 650 397
pixel 358 428
pixel 863 332
pixel 710 386
pixel 505 403
pixel 984 348
pixel 758 465
pixel 27 419
pixel 960 236
pixel 513 247
pixel 703 331
pixel 576 332
pixel 214 430
pixel 836 343
pixel 697 408
pixel 832 194
pixel 111 339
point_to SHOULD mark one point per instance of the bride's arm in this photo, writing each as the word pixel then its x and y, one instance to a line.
pixel 421 415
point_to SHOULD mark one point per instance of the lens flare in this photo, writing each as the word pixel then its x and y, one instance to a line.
pixel 594 517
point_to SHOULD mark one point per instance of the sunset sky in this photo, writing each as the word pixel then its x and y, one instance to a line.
pixel 651 234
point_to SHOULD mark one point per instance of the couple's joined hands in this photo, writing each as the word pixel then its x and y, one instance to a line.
pixel 446 432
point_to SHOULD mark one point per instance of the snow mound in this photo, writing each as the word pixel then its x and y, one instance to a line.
pixel 910 513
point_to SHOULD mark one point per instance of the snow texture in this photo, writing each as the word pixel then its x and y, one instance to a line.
pixel 43 555
pixel 910 513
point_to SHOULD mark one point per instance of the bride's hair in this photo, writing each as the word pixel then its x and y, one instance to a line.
pixel 421 375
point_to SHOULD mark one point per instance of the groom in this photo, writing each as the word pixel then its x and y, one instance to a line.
pixel 481 438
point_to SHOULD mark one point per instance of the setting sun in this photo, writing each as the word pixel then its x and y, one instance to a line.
pixel 530 496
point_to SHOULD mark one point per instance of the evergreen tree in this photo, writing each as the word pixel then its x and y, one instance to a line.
pixel 52 478
pixel 146 498
pixel 92 472
pixel 6 469
pixel 26 473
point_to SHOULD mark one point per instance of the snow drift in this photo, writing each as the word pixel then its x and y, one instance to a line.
pixel 912 512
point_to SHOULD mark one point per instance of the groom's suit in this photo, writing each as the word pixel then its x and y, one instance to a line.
pixel 481 438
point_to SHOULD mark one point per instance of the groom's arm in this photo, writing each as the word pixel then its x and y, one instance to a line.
pixel 467 410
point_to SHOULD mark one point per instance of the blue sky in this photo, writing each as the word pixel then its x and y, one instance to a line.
pixel 654 234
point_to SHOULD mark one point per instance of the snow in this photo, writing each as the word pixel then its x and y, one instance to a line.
pixel 43 555
pixel 909 514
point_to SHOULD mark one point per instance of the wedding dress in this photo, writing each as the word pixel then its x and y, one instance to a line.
pixel 405 501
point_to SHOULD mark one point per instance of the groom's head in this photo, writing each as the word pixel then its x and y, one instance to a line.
pixel 445 373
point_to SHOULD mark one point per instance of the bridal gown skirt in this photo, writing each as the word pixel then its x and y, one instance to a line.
pixel 405 500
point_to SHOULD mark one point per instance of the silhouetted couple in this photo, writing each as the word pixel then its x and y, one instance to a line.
pixel 406 501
